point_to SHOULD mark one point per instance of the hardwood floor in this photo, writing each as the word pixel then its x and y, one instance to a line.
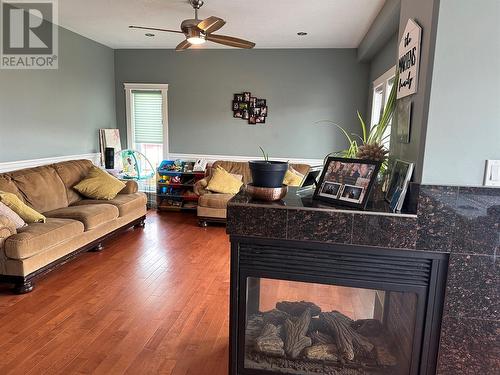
pixel 155 301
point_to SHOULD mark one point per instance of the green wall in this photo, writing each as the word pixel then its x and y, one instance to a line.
pixel 425 12
pixel 45 113
pixel 301 87
pixel 463 127
pixel 381 63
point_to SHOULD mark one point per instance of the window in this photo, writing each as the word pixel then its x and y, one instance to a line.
pixel 381 89
pixel 147 120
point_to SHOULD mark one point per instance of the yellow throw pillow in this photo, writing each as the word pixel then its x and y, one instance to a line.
pixel 292 178
pixel 99 184
pixel 223 182
pixel 26 213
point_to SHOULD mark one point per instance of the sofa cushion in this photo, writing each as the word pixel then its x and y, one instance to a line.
pixel 234 167
pixel 11 215
pixel 214 200
pixel 99 184
pixel 91 215
pixel 7 185
pixel 224 182
pixel 41 187
pixel 126 203
pixel 27 213
pixel 71 173
pixel 38 237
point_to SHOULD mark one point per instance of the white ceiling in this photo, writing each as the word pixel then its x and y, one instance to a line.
pixel 268 23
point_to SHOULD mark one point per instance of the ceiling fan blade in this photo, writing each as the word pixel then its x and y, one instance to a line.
pixel 230 41
pixel 183 45
pixel 211 24
pixel 156 29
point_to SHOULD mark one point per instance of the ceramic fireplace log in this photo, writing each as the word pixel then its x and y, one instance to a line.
pixel 348 341
pixel 297 308
pixel 275 317
pixel 295 334
pixel 269 341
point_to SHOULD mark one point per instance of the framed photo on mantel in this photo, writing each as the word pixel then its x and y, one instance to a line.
pixel 347 182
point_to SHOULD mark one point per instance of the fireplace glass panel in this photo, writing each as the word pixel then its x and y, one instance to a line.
pixel 309 328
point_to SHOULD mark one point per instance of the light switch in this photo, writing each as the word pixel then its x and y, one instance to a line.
pixel 492 173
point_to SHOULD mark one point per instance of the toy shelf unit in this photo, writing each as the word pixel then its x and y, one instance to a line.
pixel 174 186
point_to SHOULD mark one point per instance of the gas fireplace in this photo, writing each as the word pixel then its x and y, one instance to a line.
pixel 330 309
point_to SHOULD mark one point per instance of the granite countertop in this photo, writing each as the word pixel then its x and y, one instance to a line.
pixel 304 201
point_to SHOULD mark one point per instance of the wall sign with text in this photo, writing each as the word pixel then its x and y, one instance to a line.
pixel 409 56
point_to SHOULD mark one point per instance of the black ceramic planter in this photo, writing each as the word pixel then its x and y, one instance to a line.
pixel 268 174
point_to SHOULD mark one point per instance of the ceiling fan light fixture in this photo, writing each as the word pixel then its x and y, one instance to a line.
pixel 196 40
pixel 195 36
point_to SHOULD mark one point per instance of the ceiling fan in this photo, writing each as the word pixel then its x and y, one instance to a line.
pixel 199 31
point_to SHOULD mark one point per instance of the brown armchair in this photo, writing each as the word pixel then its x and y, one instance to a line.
pixel 212 207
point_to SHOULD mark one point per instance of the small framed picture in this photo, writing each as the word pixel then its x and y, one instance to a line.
pixel 246 97
pixel 347 182
pixel 260 103
pixel 245 114
pixel 403 109
pixel 331 189
pixel 398 184
pixel 243 106
pixel 236 106
pixel 260 120
pixel 263 111
pixel 252 120
pixel 238 97
pixel 253 101
pixel 256 111
pixel 238 114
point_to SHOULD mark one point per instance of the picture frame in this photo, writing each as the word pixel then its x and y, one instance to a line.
pixel 255 111
pixel 398 184
pixel 403 110
pixel 347 182
pixel 249 108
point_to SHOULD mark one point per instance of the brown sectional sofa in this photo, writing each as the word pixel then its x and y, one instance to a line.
pixel 74 224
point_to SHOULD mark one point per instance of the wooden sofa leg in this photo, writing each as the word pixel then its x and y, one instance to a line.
pixel 99 247
pixel 24 287
pixel 141 224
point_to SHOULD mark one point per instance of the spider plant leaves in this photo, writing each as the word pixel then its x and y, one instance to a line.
pixel 266 156
pixel 363 126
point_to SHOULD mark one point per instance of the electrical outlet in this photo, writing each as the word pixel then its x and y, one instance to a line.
pixel 492 173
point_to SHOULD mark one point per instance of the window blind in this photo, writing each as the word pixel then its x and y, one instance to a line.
pixel 148 116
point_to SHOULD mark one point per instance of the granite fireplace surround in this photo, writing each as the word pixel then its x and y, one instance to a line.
pixel 461 221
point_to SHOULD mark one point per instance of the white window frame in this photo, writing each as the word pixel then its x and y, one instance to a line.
pixel 163 87
pixel 382 80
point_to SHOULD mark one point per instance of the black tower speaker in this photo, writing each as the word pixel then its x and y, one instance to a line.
pixel 109 158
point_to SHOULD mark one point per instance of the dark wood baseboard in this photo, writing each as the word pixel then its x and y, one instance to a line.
pixel 203 221
pixel 25 284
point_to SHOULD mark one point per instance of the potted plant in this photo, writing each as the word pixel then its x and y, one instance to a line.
pixel 268 173
pixel 370 145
